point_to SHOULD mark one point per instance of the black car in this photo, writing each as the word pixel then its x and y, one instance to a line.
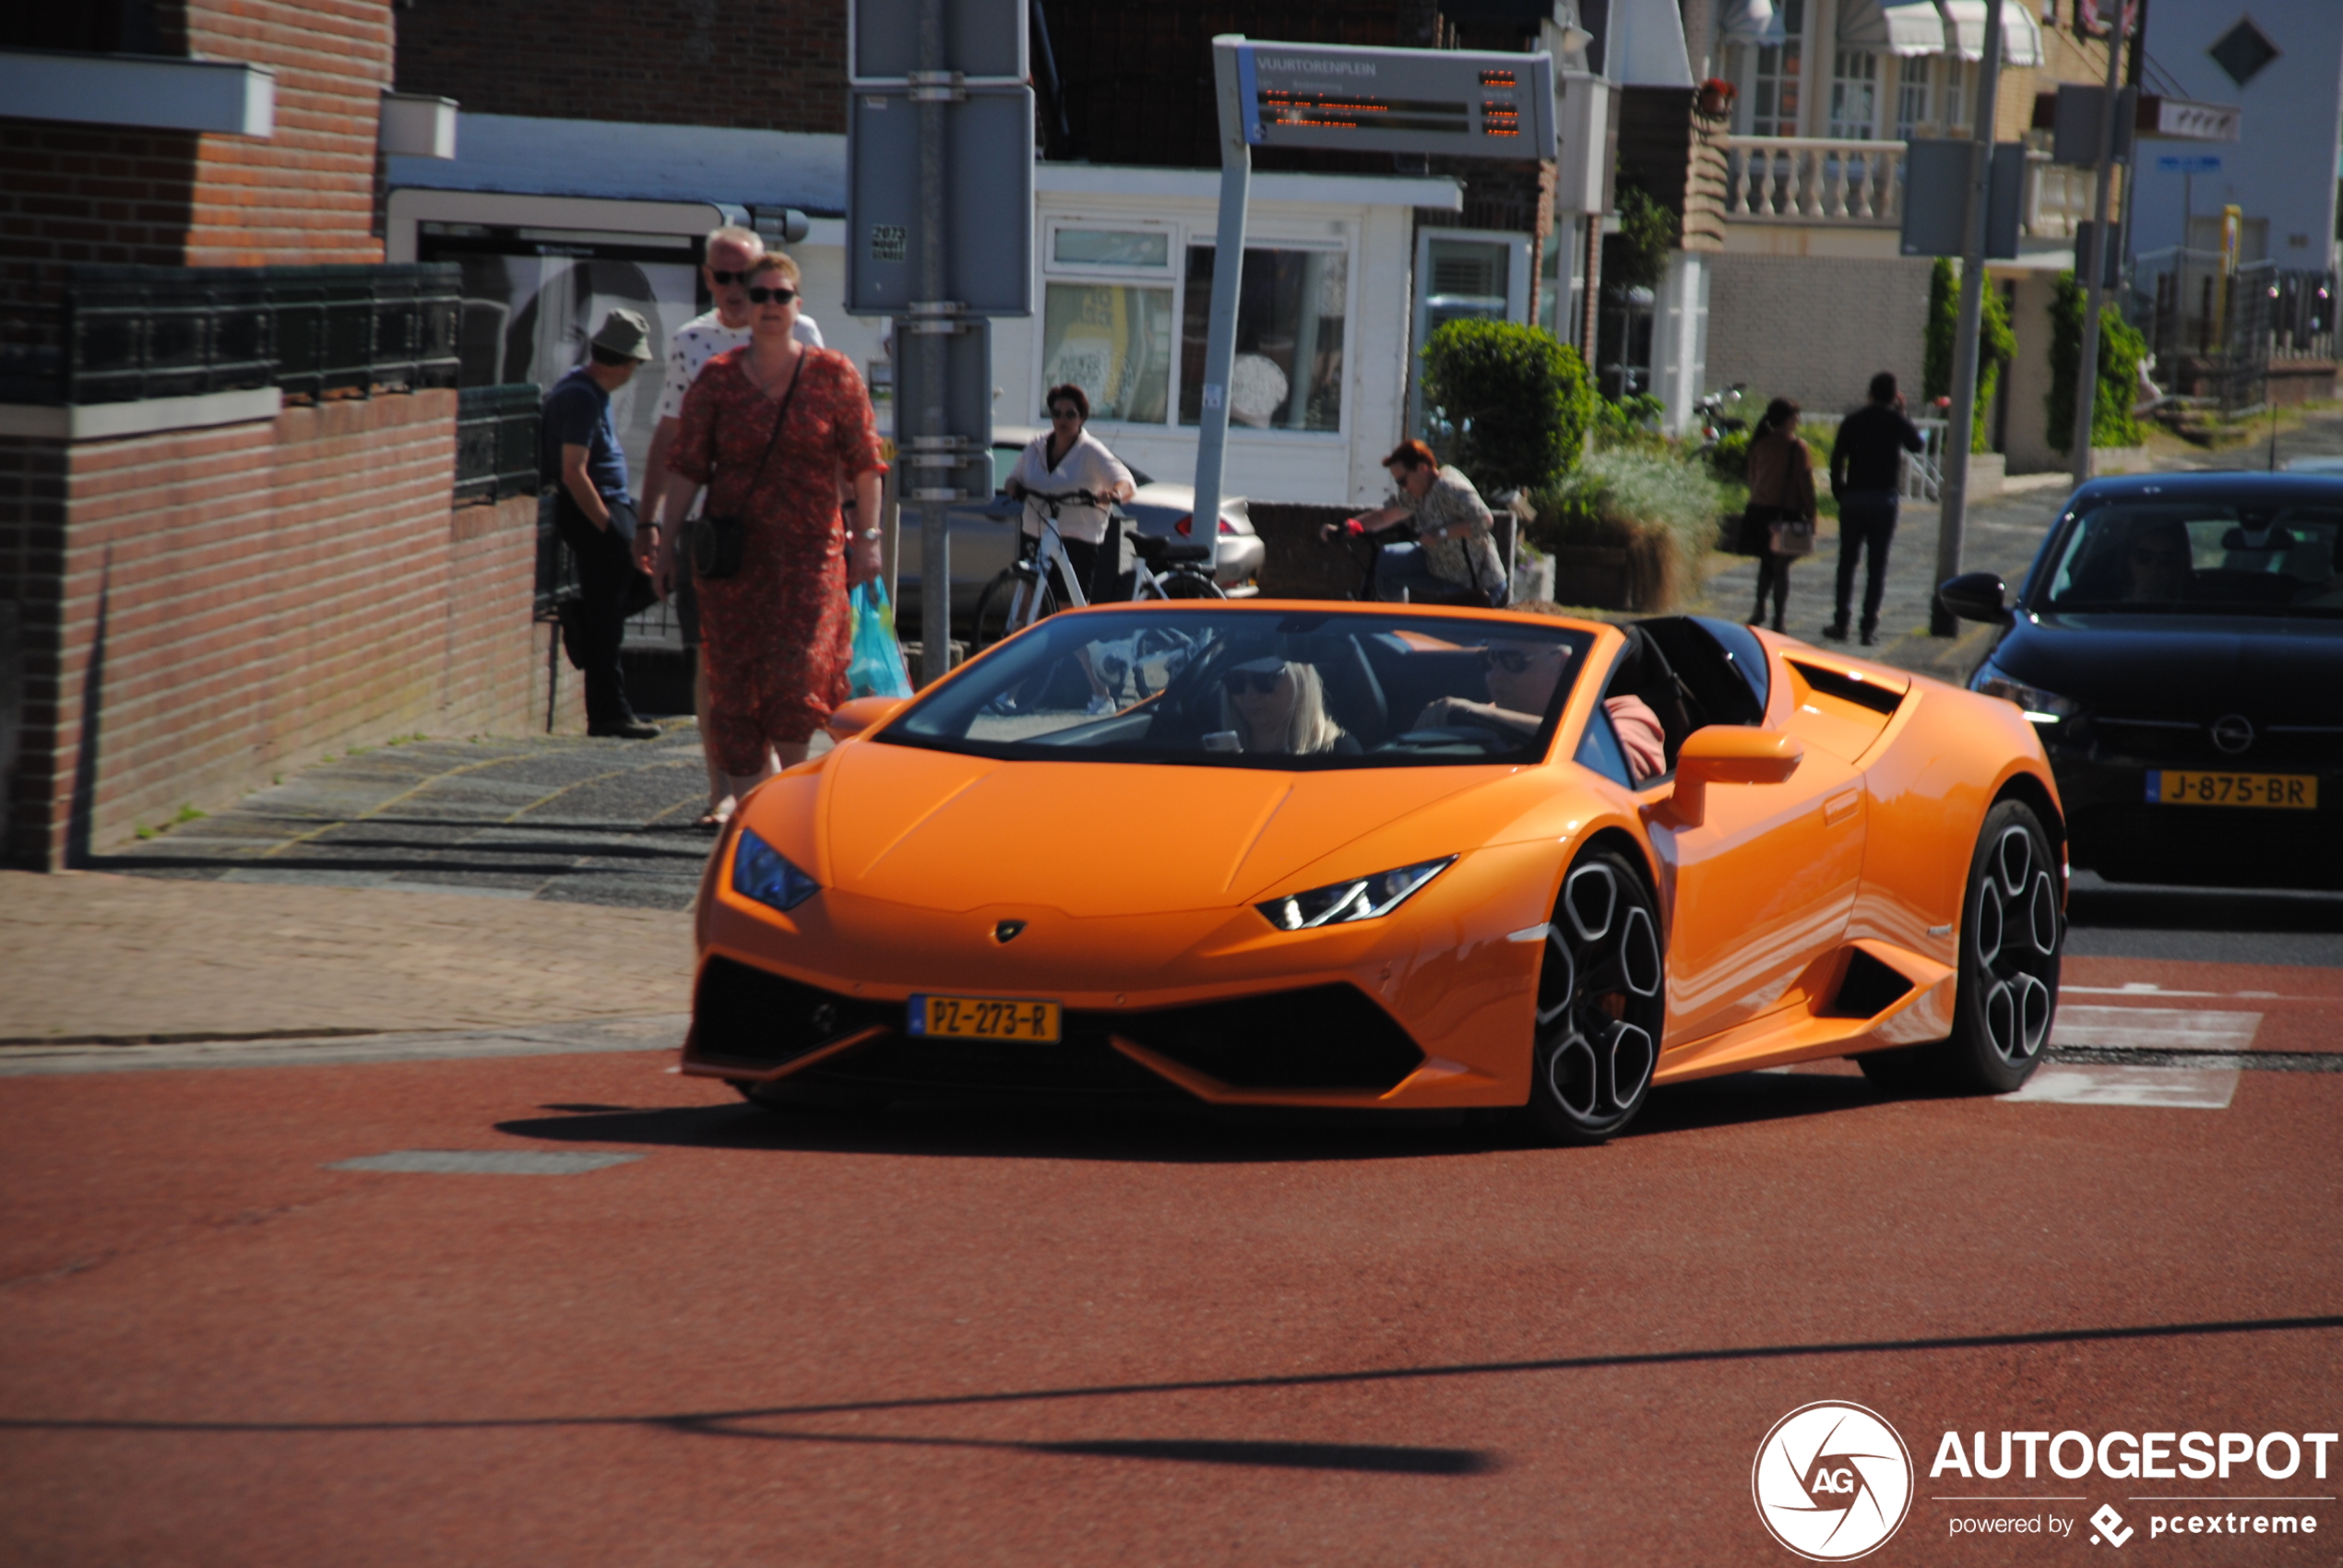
pixel 2178 645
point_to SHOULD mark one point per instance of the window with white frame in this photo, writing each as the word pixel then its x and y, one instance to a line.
pixel 1913 94
pixel 1106 317
pixel 1774 96
pixel 1961 94
pixel 1854 94
pixel 1287 372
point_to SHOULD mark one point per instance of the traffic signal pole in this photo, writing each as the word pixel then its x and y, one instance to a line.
pixel 2086 357
pixel 1953 490
pixel 1228 277
pixel 925 401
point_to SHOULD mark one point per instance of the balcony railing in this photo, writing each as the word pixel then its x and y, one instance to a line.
pixel 1815 179
pixel 1859 184
pixel 128 334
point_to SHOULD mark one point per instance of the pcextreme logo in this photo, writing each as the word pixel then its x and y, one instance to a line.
pixel 1832 1482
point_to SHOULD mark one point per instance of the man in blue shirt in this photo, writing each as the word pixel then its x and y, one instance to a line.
pixel 579 458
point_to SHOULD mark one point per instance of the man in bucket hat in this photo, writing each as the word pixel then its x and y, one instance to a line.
pixel 580 459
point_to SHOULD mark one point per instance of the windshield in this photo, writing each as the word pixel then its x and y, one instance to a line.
pixel 2200 557
pixel 1225 687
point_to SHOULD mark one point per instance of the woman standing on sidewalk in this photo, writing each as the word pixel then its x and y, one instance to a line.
pixel 770 428
pixel 1781 506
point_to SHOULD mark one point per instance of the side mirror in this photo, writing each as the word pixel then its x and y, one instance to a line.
pixel 1729 754
pixel 1976 596
pixel 851 719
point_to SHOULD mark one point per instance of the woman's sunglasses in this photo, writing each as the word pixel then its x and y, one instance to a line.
pixel 1263 681
pixel 1513 659
pixel 777 296
pixel 1065 413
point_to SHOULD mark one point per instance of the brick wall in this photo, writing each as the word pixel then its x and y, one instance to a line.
pixel 71 192
pixel 308 193
pixel 772 65
pixel 1815 328
pixel 202 609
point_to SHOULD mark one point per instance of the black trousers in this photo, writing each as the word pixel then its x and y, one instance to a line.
pixel 1773 577
pixel 610 589
pixel 1866 523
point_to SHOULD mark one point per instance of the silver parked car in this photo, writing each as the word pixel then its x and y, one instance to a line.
pixel 984 539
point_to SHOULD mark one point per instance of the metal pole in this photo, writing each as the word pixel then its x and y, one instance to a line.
pixel 2087 358
pixel 1955 487
pixel 924 403
pixel 1228 273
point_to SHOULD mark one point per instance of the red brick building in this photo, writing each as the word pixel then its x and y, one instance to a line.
pixel 229 537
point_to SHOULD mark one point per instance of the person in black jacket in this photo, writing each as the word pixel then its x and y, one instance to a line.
pixel 1864 473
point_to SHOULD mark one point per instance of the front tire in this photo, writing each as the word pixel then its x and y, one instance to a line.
pixel 1602 1002
pixel 1000 601
pixel 2011 933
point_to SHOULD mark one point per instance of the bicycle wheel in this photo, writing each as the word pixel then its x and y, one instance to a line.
pixel 1001 601
pixel 1191 585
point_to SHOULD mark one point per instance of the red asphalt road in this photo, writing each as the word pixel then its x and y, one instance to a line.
pixel 953 1336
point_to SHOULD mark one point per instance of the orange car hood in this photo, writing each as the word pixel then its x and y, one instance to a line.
pixel 1097 840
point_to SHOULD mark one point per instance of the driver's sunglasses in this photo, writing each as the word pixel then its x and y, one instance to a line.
pixel 778 296
pixel 723 279
pixel 1511 659
pixel 1263 681
pixel 1064 411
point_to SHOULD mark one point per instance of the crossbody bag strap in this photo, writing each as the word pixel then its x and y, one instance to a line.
pixel 787 396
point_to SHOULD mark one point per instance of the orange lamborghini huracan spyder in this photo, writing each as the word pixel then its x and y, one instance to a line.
pixel 1387 856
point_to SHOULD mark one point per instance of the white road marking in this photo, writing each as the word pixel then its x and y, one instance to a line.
pixel 484 1163
pixel 2155 1028
pixel 2171 1088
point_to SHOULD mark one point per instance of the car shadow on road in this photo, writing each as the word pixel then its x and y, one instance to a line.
pixel 1173 1134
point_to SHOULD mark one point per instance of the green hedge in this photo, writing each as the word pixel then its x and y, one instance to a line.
pixel 1522 402
pixel 1997 345
pixel 2121 349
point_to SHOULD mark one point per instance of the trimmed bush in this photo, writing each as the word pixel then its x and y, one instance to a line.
pixel 1660 509
pixel 1520 401
pixel 1996 345
pixel 2121 349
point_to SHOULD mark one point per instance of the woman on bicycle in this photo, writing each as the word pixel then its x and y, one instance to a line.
pixel 1457 562
pixel 1068 459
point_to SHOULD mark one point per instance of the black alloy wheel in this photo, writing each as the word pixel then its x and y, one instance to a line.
pixel 2011 930
pixel 1602 1001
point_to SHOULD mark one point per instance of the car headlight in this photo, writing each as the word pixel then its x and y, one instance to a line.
pixel 762 872
pixel 1365 898
pixel 2038 706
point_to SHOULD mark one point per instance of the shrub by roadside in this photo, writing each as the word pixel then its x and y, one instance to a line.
pixel 1661 510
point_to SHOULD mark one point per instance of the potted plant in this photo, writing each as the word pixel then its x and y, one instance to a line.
pixel 1716 99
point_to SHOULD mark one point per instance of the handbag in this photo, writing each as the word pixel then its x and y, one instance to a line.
pixel 1794 537
pixel 876 669
pixel 719 543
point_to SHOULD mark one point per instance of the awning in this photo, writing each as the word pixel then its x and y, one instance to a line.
pixel 2021 35
pixel 1899 27
pixel 1752 21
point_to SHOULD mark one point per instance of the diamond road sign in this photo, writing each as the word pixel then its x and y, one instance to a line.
pixel 1466 103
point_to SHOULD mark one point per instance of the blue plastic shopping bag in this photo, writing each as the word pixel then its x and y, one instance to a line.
pixel 878 670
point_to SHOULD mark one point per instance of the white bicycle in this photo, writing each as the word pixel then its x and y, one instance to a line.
pixel 1043 581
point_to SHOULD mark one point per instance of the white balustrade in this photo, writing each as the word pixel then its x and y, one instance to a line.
pixel 1815 179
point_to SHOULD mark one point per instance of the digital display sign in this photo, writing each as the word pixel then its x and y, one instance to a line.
pixel 1461 102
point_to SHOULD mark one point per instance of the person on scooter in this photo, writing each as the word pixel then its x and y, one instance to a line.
pixel 1455 560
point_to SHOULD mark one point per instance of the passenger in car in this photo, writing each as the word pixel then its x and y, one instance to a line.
pixel 2157 563
pixel 1522 679
pixel 1277 706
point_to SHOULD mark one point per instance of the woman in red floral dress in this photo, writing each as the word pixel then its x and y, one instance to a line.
pixel 777 636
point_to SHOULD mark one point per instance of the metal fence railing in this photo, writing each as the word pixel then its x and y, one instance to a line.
pixel 130 334
pixel 496 442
